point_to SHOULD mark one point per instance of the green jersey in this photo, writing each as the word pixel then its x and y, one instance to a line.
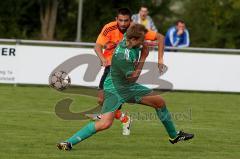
pixel 124 61
pixel 117 89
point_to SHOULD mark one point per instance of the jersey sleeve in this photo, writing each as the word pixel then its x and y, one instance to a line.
pixel 102 38
pixel 151 35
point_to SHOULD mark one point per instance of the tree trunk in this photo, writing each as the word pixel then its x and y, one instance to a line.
pixel 48 17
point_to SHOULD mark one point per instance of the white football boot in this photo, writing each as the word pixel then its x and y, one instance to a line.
pixel 126 126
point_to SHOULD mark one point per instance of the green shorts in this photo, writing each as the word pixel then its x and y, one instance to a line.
pixel 115 97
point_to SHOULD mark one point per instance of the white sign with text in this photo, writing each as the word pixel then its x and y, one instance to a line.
pixel 186 71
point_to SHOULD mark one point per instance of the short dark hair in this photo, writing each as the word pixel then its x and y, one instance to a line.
pixel 124 11
pixel 135 31
pixel 179 21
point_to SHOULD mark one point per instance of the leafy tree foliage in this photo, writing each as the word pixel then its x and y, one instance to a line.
pixel 19 19
pixel 213 23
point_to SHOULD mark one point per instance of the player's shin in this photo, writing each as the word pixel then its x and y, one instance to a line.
pixel 83 133
pixel 165 117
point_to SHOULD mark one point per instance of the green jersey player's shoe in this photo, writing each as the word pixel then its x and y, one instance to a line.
pixel 67 146
pixel 181 136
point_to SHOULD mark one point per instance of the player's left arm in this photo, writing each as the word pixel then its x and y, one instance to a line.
pixel 160 39
pixel 151 35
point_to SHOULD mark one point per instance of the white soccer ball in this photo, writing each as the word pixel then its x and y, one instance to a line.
pixel 60 80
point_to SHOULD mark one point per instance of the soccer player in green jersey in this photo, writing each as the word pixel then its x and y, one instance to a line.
pixel 120 87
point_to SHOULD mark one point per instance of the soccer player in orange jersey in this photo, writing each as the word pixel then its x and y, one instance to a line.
pixel 110 36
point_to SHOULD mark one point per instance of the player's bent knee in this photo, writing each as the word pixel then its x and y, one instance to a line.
pixel 160 102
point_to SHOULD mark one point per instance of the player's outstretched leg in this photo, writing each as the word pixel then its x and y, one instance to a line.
pixel 67 146
pixel 174 136
pixel 88 130
pixel 163 114
pixel 181 136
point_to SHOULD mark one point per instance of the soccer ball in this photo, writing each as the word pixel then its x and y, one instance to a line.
pixel 60 80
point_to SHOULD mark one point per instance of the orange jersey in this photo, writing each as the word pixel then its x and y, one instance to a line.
pixel 151 35
pixel 110 36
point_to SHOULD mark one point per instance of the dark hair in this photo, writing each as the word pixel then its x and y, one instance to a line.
pixel 124 11
pixel 135 31
pixel 179 21
pixel 143 6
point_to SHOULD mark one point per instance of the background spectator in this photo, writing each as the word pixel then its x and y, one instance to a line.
pixel 178 35
pixel 143 18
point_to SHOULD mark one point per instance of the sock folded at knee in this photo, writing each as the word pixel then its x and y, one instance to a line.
pixel 83 133
pixel 165 117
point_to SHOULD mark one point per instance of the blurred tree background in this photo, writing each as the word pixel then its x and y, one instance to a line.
pixel 212 23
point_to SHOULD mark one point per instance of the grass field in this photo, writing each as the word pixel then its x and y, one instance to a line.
pixel 29 127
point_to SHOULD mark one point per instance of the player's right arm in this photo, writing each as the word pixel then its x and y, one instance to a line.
pixel 101 41
pixel 99 51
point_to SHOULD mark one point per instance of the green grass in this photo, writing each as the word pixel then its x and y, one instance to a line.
pixel 30 129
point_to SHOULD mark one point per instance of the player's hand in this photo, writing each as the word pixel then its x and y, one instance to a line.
pixel 180 32
pixel 162 68
pixel 105 62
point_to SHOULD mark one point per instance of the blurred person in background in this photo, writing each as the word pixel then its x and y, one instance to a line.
pixel 143 18
pixel 178 35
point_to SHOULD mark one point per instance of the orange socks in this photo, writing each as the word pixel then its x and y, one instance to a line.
pixel 121 116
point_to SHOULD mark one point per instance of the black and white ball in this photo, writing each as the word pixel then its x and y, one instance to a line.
pixel 60 80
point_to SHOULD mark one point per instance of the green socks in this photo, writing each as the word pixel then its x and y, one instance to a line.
pixel 83 133
pixel 89 129
pixel 165 118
